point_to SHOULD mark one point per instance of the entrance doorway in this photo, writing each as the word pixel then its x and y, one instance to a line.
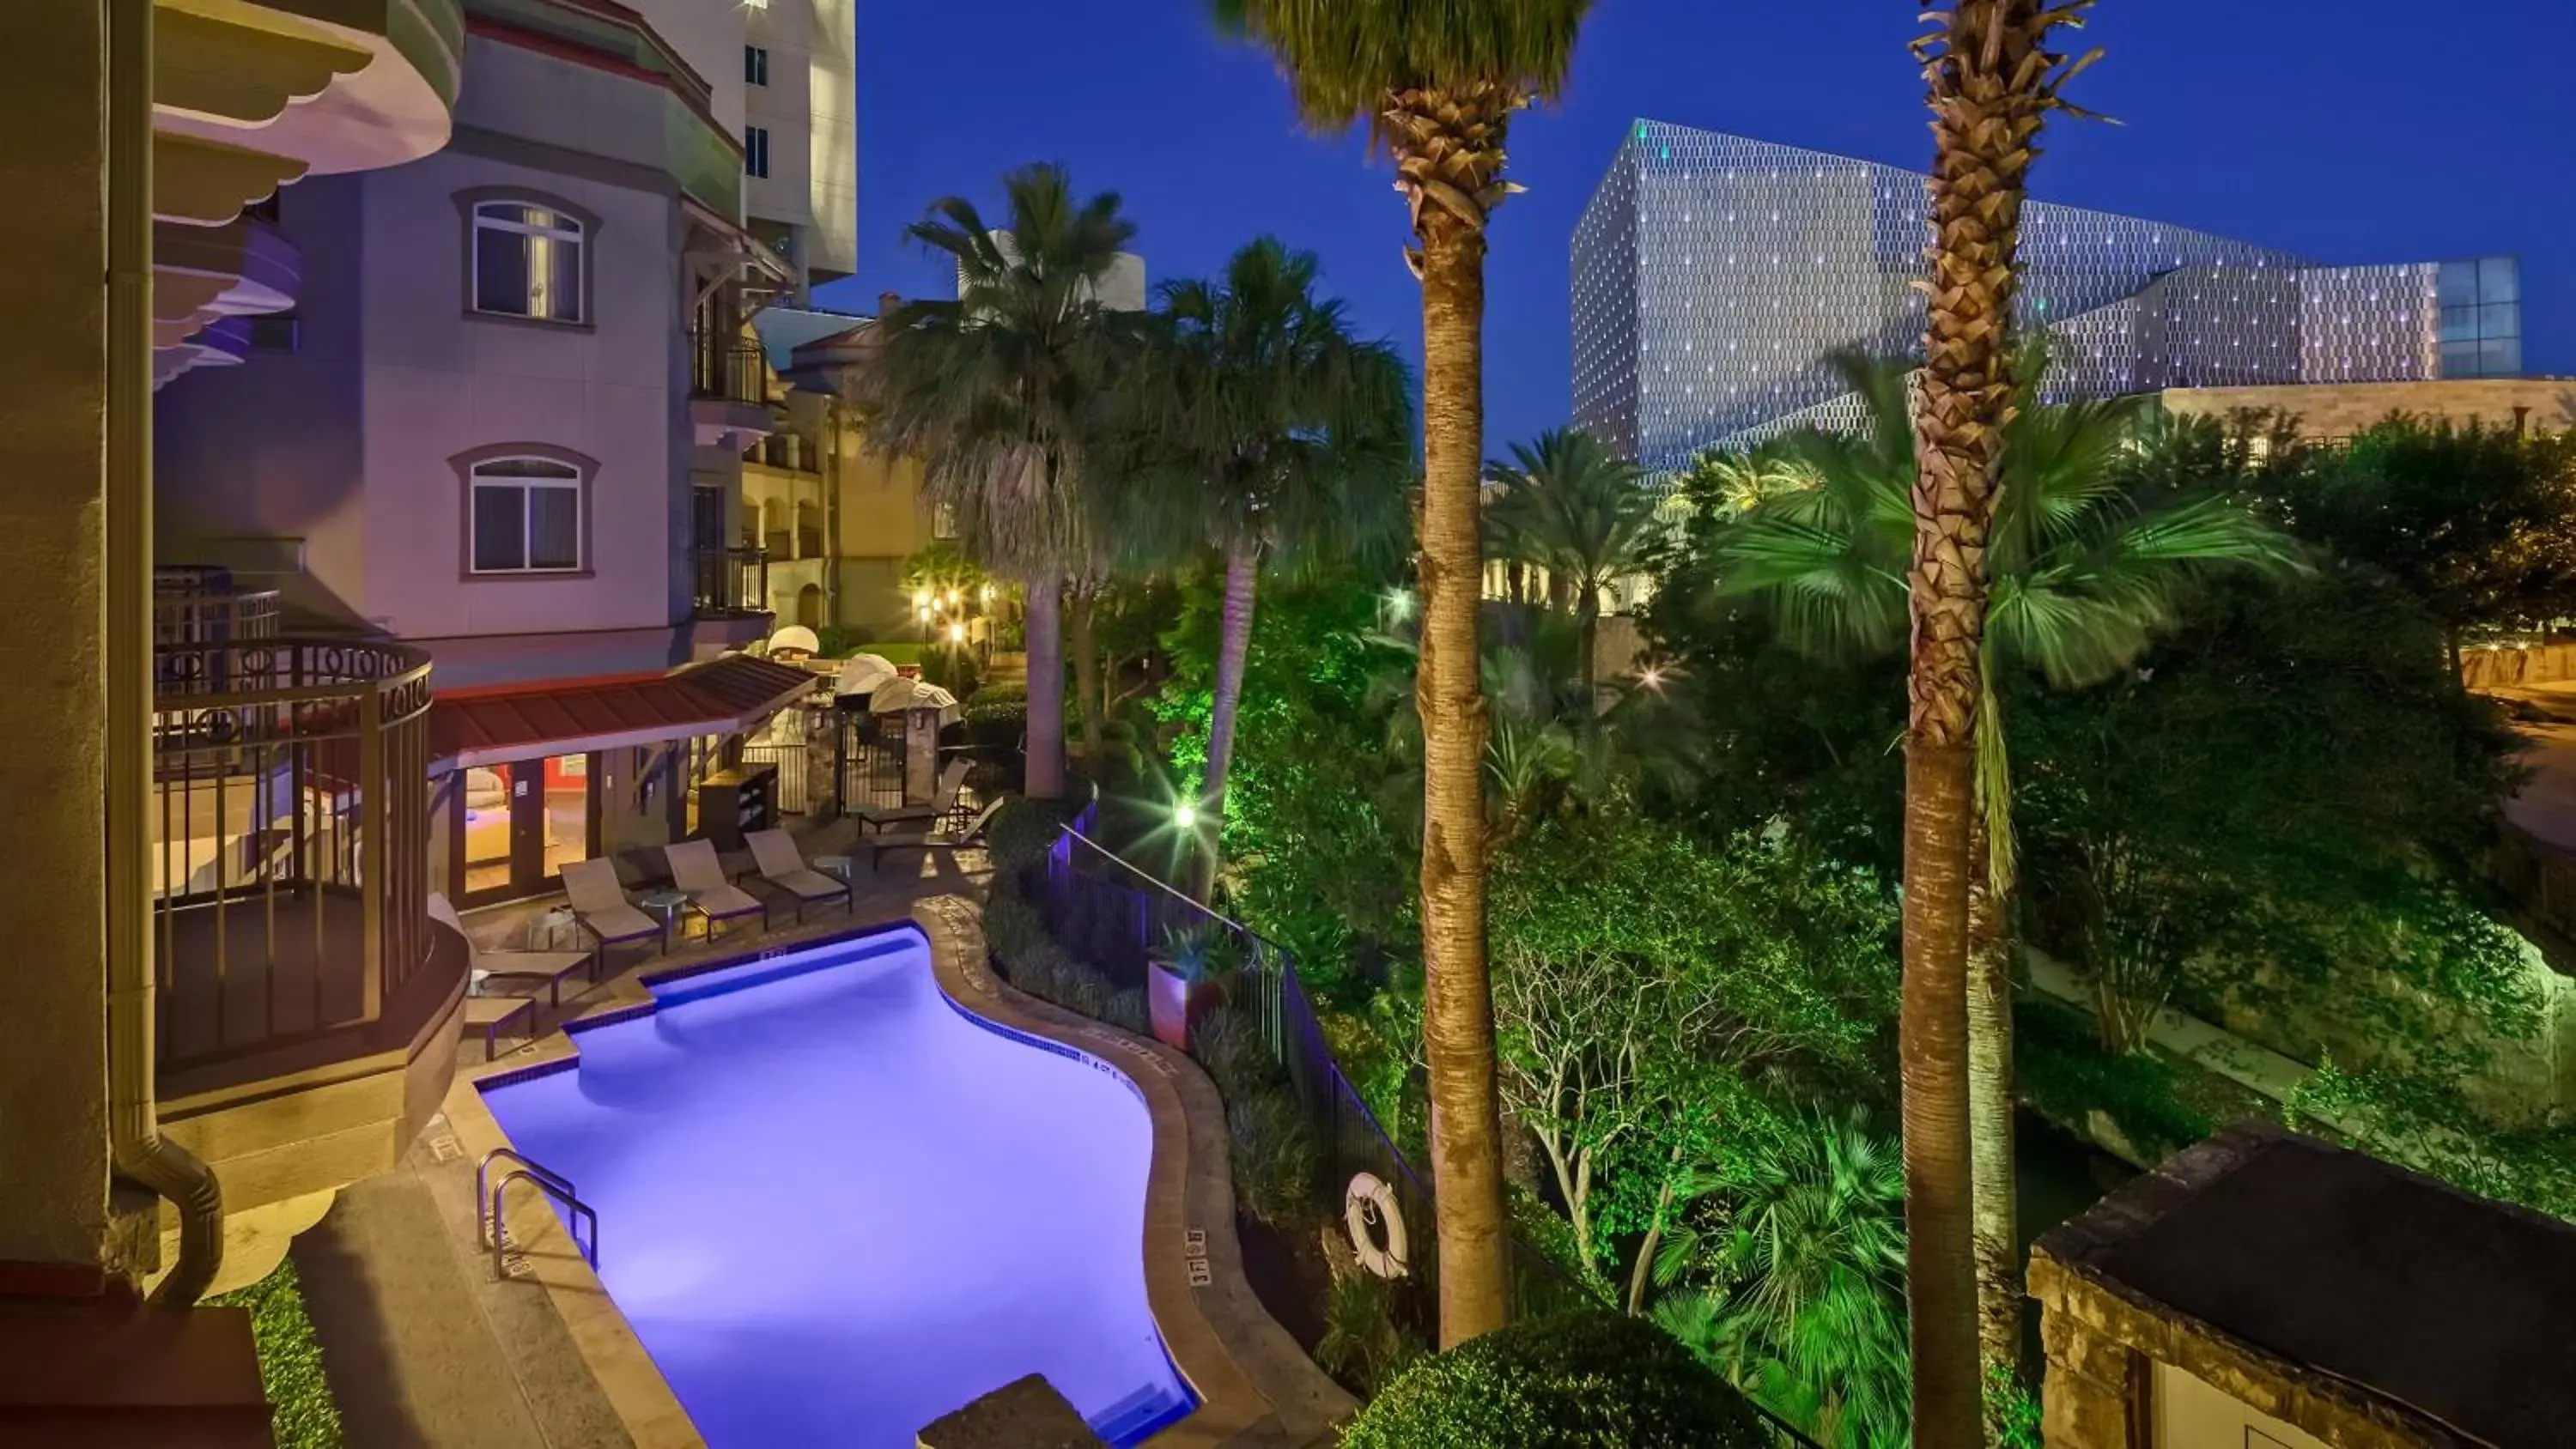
pixel 524 821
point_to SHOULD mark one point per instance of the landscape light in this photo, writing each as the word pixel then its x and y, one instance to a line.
pixel 956 633
pixel 1399 604
pixel 988 593
pixel 952 598
pixel 921 598
pixel 1186 815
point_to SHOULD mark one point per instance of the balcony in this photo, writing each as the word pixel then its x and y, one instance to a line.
pixel 292 855
pixel 729 390
pixel 729 599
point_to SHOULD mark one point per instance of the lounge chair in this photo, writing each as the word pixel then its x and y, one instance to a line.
pixel 928 841
pixel 951 780
pixel 600 904
pixel 507 969
pixel 497 1014
pixel 780 863
pixel 697 874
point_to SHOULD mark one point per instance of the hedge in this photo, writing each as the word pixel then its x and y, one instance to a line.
pixel 1591 1380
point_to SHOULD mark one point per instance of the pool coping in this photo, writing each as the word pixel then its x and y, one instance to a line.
pixel 1254 1385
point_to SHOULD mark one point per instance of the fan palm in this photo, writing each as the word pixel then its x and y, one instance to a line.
pixel 2087 565
pixel 1001 391
pixel 1276 437
pixel 1567 505
pixel 1437 82
pixel 1805 1239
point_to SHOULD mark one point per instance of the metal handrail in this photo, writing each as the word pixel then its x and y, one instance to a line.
pixel 487 1204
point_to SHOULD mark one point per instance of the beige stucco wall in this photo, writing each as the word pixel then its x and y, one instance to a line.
pixel 53 1072
pixel 2339 410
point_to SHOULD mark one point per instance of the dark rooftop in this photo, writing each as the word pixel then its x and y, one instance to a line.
pixel 2461 1309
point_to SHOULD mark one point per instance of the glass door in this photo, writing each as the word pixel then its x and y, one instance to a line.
pixel 524 821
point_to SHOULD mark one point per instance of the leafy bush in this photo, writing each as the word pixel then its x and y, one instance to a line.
pixel 2064 1075
pixel 290 1360
pixel 1581 1381
pixel 1363 1345
pixel 1275 1157
pixel 997 716
pixel 1022 832
pixel 1126 1011
pixel 1228 1044
pixel 953 670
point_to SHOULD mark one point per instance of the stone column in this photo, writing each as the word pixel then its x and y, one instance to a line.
pixel 53 411
pixel 920 756
pixel 2091 1387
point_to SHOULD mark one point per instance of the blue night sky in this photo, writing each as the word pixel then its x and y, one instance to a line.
pixel 2346 130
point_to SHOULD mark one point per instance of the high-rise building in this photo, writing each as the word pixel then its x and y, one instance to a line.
pixel 1715 278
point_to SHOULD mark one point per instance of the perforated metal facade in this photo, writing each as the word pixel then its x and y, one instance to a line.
pixel 1714 278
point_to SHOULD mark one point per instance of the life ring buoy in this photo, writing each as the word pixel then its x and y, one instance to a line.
pixel 1368 1209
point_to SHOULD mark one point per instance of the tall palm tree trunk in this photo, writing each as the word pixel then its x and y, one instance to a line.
pixel 1045 622
pixel 1086 672
pixel 1997 1243
pixel 1447 138
pixel 1234 644
pixel 1990 81
pixel 1587 644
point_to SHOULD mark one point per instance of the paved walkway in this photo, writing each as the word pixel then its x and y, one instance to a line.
pixel 423 1348
pixel 2546 804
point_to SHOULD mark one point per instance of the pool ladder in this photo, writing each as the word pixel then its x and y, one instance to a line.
pixel 487 1204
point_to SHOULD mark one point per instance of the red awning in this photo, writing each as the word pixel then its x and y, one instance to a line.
pixel 719 697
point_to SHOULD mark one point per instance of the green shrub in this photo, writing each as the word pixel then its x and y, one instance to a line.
pixel 1593 1380
pixel 1227 1042
pixel 1363 1345
pixel 997 716
pixel 1274 1155
pixel 953 670
pixel 1022 832
pixel 1084 992
pixel 290 1360
pixel 1127 1011
pixel 2064 1074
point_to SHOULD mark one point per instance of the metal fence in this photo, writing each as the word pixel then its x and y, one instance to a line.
pixel 1113 915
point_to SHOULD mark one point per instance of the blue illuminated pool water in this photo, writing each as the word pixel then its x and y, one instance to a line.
pixel 834 1207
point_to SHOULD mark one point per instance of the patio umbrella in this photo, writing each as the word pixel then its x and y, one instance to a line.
pixel 901 694
pixel 864 674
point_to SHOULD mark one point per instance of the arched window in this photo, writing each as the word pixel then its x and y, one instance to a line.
pixel 526 516
pixel 528 260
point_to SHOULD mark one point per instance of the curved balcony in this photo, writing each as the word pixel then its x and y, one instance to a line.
pixel 291 896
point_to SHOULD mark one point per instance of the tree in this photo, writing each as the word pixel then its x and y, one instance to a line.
pixel 1437 82
pixel 2088 560
pixel 1992 80
pixel 1002 392
pixel 1644 979
pixel 1568 506
pixel 2479 523
pixel 1273 435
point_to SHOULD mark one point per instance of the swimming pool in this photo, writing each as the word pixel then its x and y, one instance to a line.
pixel 834 1206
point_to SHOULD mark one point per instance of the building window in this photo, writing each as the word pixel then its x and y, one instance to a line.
pixel 755 150
pixel 755 65
pixel 526 516
pixel 528 261
pixel 2482 318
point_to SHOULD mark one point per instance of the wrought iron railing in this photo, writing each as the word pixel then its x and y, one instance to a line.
pixel 291 785
pixel 195 606
pixel 732 581
pixel 728 366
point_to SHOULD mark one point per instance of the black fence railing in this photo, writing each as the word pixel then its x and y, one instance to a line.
pixel 731 581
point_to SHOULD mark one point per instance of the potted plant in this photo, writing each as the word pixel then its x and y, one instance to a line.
pixel 1185 979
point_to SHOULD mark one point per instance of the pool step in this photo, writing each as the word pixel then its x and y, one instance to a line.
pixel 1134 1418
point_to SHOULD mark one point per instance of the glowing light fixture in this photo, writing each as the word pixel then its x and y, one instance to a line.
pixel 921 598
pixel 956 633
pixel 1185 815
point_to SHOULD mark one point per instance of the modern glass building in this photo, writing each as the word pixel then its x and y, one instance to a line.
pixel 1715 277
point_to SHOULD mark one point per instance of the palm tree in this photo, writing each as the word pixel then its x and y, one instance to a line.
pixel 1804 1241
pixel 2088 563
pixel 1437 82
pixel 1276 437
pixel 1567 505
pixel 1991 81
pixel 1001 391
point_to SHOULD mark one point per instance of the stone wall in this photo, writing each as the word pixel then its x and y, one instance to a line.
pixel 2339 410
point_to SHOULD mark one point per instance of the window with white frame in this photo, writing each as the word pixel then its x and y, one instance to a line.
pixel 528 261
pixel 526 516
pixel 755 150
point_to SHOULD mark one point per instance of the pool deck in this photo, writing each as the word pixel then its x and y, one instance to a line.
pixel 439 1353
